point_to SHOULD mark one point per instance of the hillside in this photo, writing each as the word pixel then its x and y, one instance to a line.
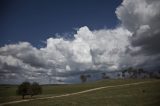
pixel 145 94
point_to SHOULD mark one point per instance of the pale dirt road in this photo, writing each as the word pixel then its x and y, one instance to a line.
pixel 76 93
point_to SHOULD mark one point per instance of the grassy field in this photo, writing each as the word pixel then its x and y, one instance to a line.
pixel 147 94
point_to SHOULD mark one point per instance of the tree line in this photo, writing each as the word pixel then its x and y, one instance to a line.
pixel 129 72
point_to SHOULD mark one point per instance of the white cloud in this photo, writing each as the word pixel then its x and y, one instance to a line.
pixel 90 50
pixel 142 18
pixel 104 49
pixel 134 13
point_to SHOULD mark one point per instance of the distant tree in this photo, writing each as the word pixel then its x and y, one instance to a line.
pixel 140 70
pixel 83 78
pixel 130 70
pixel 133 73
pixel 24 89
pixel 88 76
pixel 154 75
pixel 29 89
pixel 118 75
pixel 35 89
pixel 123 73
pixel 103 75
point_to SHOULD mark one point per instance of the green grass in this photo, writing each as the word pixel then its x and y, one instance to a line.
pixel 7 90
pixel 147 94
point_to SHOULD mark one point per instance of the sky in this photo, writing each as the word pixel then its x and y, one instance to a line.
pixel 59 40
pixel 36 20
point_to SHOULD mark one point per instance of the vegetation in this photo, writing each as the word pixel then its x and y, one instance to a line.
pixel 29 89
pixel 8 92
pixel 146 94
pixel 24 89
pixel 119 96
pixel 84 77
pixel 104 76
pixel 135 73
pixel 35 89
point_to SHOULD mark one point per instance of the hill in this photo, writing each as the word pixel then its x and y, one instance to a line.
pixel 145 94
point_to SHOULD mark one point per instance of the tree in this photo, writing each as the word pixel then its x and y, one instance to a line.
pixel 35 89
pixel 140 71
pixel 88 76
pixel 29 89
pixel 130 70
pixel 24 89
pixel 123 73
pixel 83 78
pixel 118 75
pixel 103 75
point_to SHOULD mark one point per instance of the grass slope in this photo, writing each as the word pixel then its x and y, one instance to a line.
pixel 134 95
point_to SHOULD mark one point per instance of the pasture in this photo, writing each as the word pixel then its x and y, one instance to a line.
pixel 145 94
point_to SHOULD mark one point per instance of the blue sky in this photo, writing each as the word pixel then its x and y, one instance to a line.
pixel 36 20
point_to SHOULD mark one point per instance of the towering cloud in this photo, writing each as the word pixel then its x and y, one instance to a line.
pixel 90 50
pixel 134 43
pixel 142 18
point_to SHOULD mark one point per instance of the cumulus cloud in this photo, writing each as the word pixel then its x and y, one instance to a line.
pixel 90 50
pixel 141 17
pixel 134 43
